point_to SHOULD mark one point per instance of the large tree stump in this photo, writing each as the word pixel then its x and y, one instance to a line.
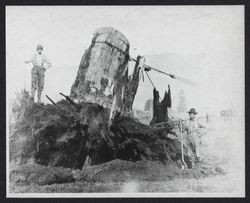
pixel 99 126
pixel 103 77
pixel 70 135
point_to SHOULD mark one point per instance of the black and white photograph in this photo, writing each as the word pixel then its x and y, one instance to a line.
pixel 125 101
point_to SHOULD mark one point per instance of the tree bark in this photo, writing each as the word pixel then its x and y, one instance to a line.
pixel 131 87
pixel 160 109
pixel 103 77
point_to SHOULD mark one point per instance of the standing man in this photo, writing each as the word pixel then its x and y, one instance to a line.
pixel 193 137
pixel 37 73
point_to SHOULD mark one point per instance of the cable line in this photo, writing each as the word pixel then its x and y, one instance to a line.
pixel 150 80
pixel 148 68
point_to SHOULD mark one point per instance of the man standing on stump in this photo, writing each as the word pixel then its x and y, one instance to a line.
pixel 192 128
pixel 37 73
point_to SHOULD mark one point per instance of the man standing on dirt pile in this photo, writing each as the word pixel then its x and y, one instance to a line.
pixel 37 73
pixel 192 127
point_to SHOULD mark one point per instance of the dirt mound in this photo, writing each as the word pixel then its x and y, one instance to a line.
pixel 124 171
pixel 40 175
pixel 110 176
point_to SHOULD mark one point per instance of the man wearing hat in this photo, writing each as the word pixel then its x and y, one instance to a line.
pixel 193 136
pixel 40 64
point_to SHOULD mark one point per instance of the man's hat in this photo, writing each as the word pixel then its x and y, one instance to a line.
pixel 192 110
pixel 39 46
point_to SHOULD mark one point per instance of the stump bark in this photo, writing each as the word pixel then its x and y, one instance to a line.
pixel 160 108
pixel 103 77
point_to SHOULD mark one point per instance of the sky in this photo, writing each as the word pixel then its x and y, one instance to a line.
pixel 204 44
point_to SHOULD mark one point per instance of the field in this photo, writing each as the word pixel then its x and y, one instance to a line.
pixel 222 171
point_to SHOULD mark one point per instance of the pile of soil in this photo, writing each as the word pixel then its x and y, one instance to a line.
pixel 124 171
pixel 37 178
pixel 41 175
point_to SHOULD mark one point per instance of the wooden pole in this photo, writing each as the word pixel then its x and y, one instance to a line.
pixel 182 154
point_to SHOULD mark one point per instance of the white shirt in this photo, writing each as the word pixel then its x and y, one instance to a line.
pixel 193 127
pixel 40 60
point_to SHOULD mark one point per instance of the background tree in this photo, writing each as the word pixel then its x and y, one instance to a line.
pixel 182 102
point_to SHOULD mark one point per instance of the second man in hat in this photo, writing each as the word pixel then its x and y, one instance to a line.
pixel 193 137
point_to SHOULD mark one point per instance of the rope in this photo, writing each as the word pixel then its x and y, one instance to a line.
pixel 148 68
pixel 186 81
pixel 152 83
pixel 124 53
pixel 150 80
